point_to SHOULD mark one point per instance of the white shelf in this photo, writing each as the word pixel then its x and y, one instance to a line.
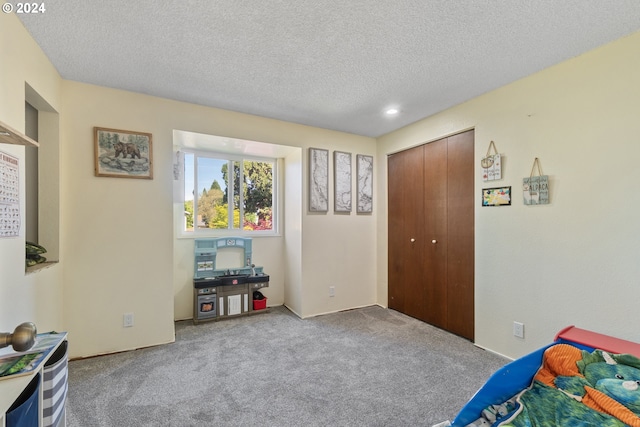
pixel 9 135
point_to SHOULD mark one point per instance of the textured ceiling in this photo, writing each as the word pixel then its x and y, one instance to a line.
pixel 335 64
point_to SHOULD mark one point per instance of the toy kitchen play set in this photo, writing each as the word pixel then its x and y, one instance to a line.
pixel 220 293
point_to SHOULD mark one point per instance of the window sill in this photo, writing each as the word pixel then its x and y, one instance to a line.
pixel 224 233
pixel 38 267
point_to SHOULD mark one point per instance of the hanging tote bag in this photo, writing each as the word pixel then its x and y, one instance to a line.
pixel 535 189
pixel 491 164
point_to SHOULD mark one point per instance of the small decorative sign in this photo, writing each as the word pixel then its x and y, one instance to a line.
pixel 499 196
pixel 491 164
pixel 535 189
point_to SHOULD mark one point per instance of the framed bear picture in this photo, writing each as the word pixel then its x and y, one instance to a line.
pixel 122 154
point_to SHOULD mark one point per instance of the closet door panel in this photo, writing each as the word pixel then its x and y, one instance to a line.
pixel 435 230
pixel 413 236
pixel 460 208
pixel 405 232
pixel 396 266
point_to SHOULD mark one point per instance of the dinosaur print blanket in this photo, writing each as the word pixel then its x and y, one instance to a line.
pixel 575 388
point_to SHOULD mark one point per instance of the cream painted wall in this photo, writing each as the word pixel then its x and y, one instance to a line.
pixel 573 261
pixel 120 232
pixel 341 255
pixel 293 212
pixel 36 297
pixel 117 232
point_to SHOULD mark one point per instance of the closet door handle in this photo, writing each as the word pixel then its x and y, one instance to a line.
pixel 434 241
pixel 413 240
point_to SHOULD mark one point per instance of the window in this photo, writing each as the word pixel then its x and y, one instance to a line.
pixel 225 192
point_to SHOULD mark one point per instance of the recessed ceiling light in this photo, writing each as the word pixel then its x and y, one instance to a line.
pixel 391 111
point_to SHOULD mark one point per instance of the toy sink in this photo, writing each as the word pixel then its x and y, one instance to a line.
pixel 258 278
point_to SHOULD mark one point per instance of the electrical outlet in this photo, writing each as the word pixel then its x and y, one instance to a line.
pixel 332 291
pixel 518 329
pixel 127 320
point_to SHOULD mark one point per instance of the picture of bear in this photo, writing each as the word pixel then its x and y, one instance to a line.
pixel 126 149
pixel 135 147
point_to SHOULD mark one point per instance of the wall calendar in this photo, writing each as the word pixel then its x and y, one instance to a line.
pixel 9 196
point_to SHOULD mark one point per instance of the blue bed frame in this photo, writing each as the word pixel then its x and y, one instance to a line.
pixel 517 375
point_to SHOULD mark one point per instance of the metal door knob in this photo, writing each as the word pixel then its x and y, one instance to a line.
pixel 434 241
pixel 413 240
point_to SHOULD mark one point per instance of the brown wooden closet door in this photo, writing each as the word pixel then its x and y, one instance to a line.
pixel 405 259
pixel 431 233
pixel 435 233
pixel 460 251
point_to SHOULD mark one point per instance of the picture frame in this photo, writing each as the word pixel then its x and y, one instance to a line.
pixel 364 192
pixel 341 181
pixel 497 196
pixel 318 180
pixel 122 153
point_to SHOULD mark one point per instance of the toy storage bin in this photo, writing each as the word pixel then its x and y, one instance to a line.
pixel 54 387
pixel 24 411
pixel 260 304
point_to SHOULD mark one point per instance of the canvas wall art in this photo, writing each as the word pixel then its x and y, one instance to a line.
pixel 318 180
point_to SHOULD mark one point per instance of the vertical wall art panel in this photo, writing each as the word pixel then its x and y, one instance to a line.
pixel 364 166
pixel 342 181
pixel 318 180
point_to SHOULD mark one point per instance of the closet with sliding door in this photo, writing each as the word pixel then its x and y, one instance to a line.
pixel 431 233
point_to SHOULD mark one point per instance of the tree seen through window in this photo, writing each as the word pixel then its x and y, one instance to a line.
pixel 246 184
